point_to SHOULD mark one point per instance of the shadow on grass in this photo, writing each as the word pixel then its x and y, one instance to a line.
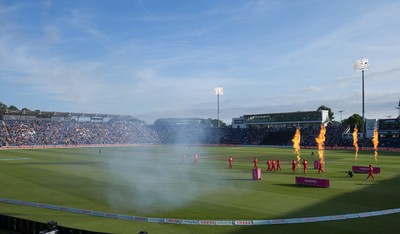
pixel 381 195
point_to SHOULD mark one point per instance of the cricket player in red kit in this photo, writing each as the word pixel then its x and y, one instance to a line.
pixel 294 166
pixel 371 172
pixel 269 165
pixel 196 160
pixel 278 164
pixel 230 162
pixel 305 166
pixel 255 163
pixel 320 166
pixel 273 165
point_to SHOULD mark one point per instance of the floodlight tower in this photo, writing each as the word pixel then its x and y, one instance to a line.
pixel 362 65
pixel 218 91
pixel 398 108
pixel 341 111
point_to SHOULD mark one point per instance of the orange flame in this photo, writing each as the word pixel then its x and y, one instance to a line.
pixel 296 144
pixel 320 141
pixel 375 142
pixel 355 140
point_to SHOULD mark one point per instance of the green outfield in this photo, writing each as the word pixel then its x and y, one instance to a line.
pixel 156 181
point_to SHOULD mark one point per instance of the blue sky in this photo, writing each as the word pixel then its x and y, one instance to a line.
pixel 154 58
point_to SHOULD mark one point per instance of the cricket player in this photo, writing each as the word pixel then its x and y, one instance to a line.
pixel 278 164
pixel 273 165
pixel 269 165
pixel 320 166
pixel 196 159
pixel 294 166
pixel 255 162
pixel 230 162
pixel 371 172
pixel 305 166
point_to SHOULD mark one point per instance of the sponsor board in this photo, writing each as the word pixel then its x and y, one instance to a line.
pixel 140 219
pixel 175 221
pixel 224 222
pixel 125 217
pixel 188 221
pixel 155 220
pixel 316 182
pixel 109 215
pixel 79 211
pixel 243 222
pixel 99 214
pixel 364 169
pixel 261 222
pixel 324 218
pixel 310 181
pixel 387 211
pixel 278 221
pixel 207 222
pixel 377 213
pixel 88 212
pixel 366 214
pixel 309 220
pixel 352 216
pixel 339 217
pixel 296 220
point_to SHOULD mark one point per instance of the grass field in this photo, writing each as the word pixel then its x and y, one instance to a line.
pixel 153 181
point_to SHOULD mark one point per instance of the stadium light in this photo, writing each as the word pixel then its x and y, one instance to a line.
pixel 341 111
pixel 218 91
pixel 362 65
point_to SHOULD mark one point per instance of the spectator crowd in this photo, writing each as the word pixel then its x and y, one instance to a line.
pixel 46 132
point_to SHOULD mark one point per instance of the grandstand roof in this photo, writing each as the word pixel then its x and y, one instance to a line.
pixel 49 114
pixel 287 117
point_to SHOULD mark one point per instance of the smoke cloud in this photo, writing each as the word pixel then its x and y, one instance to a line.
pixel 154 181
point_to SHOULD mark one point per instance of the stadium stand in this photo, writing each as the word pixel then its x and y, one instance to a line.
pixel 37 128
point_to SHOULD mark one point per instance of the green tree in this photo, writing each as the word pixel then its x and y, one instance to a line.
pixel 330 113
pixel 3 107
pixel 354 120
pixel 12 107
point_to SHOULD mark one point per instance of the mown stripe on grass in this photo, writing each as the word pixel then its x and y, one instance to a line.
pixel 12 159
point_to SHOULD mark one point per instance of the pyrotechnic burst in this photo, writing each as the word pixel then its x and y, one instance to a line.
pixel 375 142
pixel 320 141
pixel 296 144
pixel 355 140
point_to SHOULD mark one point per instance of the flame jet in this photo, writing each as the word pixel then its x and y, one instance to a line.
pixel 375 142
pixel 320 141
pixel 355 140
pixel 296 144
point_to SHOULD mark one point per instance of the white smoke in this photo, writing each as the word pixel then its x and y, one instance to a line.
pixel 157 179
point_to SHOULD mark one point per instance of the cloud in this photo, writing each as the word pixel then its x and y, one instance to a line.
pixel 166 63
